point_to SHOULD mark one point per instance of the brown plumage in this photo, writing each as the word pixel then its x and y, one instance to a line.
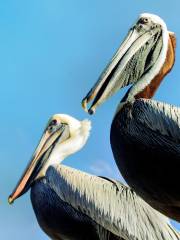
pixel 145 134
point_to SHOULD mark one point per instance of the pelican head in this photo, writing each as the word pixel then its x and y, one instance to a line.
pixel 62 136
pixel 138 60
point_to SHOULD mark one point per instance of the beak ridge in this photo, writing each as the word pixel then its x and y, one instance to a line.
pixel 38 161
pixel 114 76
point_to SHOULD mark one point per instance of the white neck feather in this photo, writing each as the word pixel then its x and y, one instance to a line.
pixel 147 78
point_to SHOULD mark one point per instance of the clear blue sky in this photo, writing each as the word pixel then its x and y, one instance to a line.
pixel 51 53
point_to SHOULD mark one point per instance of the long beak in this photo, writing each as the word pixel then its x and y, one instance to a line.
pixel 114 77
pixel 38 161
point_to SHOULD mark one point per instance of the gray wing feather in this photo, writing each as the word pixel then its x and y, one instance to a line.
pixel 121 212
pixel 159 117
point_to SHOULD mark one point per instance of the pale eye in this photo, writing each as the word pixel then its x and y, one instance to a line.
pixel 143 20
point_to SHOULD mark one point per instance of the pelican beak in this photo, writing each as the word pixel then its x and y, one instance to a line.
pixel 136 55
pixel 39 159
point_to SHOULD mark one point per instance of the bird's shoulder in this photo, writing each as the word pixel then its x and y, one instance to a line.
pixel 157 116
pixel 149 116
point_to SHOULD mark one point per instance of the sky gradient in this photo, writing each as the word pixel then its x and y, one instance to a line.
pixel 52 52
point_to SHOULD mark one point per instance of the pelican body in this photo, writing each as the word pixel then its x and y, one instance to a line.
pixel 72 205
pixel 145 134
pixel 58 218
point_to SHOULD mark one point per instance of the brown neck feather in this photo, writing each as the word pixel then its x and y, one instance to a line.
pixel 150 90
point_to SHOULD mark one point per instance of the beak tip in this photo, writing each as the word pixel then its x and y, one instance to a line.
pixel 91 111
pixel 10 200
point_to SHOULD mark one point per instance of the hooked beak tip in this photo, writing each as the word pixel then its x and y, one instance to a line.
pixel 91 111
pixel 10 200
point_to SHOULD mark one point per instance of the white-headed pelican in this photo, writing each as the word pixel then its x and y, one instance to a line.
pixel 73 205
pixel 145 134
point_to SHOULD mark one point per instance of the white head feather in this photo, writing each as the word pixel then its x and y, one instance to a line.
pixel 79 133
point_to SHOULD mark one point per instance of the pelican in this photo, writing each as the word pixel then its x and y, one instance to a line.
pixel 73 205
pixel 145 134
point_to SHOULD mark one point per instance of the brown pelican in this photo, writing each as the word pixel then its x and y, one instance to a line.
pixel 73 205
pixel 145 134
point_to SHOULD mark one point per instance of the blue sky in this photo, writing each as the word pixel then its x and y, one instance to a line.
pixel 51 54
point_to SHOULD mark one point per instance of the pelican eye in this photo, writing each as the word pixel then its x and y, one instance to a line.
pixel 143 20
pixel 53 122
